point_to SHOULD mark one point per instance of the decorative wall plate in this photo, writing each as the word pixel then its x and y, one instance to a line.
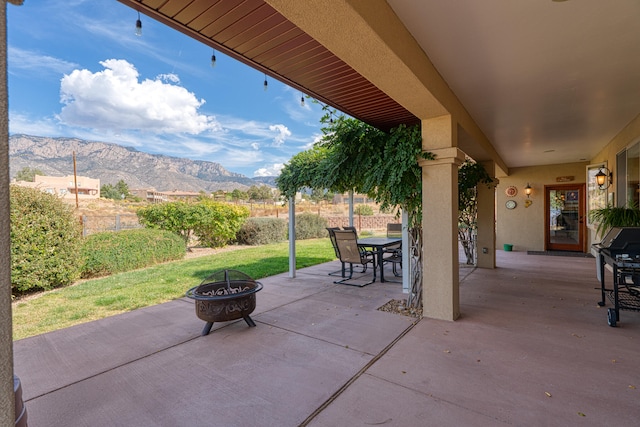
pixel 511 191
pixel 511 204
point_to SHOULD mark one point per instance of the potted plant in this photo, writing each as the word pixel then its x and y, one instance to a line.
pixel 612 216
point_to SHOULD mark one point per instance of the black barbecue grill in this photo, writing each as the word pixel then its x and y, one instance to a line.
pixel 620 249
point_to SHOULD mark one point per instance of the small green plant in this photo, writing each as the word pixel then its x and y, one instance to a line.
pixel 108 253
pixel 364 210
pixel 45 240
pixel 310 226
pixel 262 231
pixel 611 216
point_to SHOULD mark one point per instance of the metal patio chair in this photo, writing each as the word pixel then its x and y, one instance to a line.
pixel 394 230
pixel 350 253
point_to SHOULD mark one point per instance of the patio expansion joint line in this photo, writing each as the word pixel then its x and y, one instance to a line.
pixel 312 337
pixel 361 372
pixel 112 368
pixel 468 274
pixel 439 399
pixel 296 300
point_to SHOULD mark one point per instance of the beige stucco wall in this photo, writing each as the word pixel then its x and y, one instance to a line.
pixel 524 227
pixel 627 136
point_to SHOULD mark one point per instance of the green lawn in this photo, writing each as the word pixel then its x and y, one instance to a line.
pixel 99 298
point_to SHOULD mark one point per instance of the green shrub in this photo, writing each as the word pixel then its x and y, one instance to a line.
pixel 310 226
pixel 108 253
pixel 218 223
pixel 176 217
pixel 214 223
pixel 364 210
pixel 262 231
pixel 45 239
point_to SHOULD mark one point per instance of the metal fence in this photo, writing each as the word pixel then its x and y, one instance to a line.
pixel 97 223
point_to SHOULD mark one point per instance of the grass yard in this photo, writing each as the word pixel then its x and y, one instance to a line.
pixel 103 297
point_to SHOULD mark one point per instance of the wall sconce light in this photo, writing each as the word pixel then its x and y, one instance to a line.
pixel 604 179
pixel 527 190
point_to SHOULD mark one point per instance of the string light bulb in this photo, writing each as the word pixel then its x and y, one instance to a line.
pixel 213 59
pixel 266 84
pixel 138 26
pixel 302 101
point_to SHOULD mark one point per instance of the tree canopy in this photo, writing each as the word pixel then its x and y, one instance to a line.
pixel 28 174
pixel 115 192
pixel 355 156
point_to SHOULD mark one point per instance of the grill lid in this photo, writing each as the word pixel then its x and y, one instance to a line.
pixel 621 239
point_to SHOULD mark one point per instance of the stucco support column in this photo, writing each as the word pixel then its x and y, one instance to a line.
pixel 440 286
pixel 7 404
pixel 486 237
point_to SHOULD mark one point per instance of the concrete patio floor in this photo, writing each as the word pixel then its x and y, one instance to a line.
pixel 531 348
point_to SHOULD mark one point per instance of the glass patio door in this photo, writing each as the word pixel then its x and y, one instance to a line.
pixel 564 218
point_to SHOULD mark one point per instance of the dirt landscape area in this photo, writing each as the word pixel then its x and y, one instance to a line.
pixel 113 215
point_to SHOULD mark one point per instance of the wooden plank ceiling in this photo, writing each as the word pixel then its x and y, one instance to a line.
pixel 254 33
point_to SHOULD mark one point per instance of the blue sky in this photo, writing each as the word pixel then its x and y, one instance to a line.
pixel 77 69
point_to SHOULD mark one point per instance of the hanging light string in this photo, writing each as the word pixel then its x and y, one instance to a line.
pixel 213 58
pixel 266 83
pixel 301 99
pixel 138 26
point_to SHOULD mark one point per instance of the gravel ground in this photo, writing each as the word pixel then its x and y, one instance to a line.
pixel 399 306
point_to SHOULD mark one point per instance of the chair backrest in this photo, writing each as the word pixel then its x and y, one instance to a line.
pixel 348 246
pixel 351 229
pixel 332 237
pixel 394 230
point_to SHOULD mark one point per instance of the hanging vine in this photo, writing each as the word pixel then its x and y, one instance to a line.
pixel 353 156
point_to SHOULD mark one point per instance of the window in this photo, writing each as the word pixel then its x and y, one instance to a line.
pixel 628 176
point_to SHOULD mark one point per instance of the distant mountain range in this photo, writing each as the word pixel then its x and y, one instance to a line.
pixel 111 162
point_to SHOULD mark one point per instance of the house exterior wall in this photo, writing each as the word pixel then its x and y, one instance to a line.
pixel 64 186
pixel 629 135
pixel 524 227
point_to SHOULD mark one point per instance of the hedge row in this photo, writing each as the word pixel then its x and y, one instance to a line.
pixel 45 241
pixel 262 231
pixel 108 253
pixel 48 250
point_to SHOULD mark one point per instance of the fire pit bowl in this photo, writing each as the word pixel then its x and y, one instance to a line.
pixel 225 295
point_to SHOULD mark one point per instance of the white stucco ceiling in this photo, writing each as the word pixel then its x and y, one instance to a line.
pixel 548 82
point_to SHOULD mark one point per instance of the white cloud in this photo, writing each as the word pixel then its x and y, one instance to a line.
pixel 273 170
pixel 22 123
pixel 170 78
pixel 316 138
pixel 255 145
pixel 282 133
pixel 114 99
pixel 21 59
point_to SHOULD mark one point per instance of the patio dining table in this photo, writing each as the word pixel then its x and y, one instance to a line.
pixel 378 244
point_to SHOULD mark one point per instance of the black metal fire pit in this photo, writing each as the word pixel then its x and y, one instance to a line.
pixel 225 295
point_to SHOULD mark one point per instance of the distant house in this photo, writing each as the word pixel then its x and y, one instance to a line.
pixel 150 195
pixel 357 198
pixel 181 195
pixel 65 186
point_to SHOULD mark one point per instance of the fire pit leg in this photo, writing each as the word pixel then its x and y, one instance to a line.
pixel 207 329
pixel 249 320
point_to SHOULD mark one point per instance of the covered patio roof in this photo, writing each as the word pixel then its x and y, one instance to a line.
pixel 532 83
